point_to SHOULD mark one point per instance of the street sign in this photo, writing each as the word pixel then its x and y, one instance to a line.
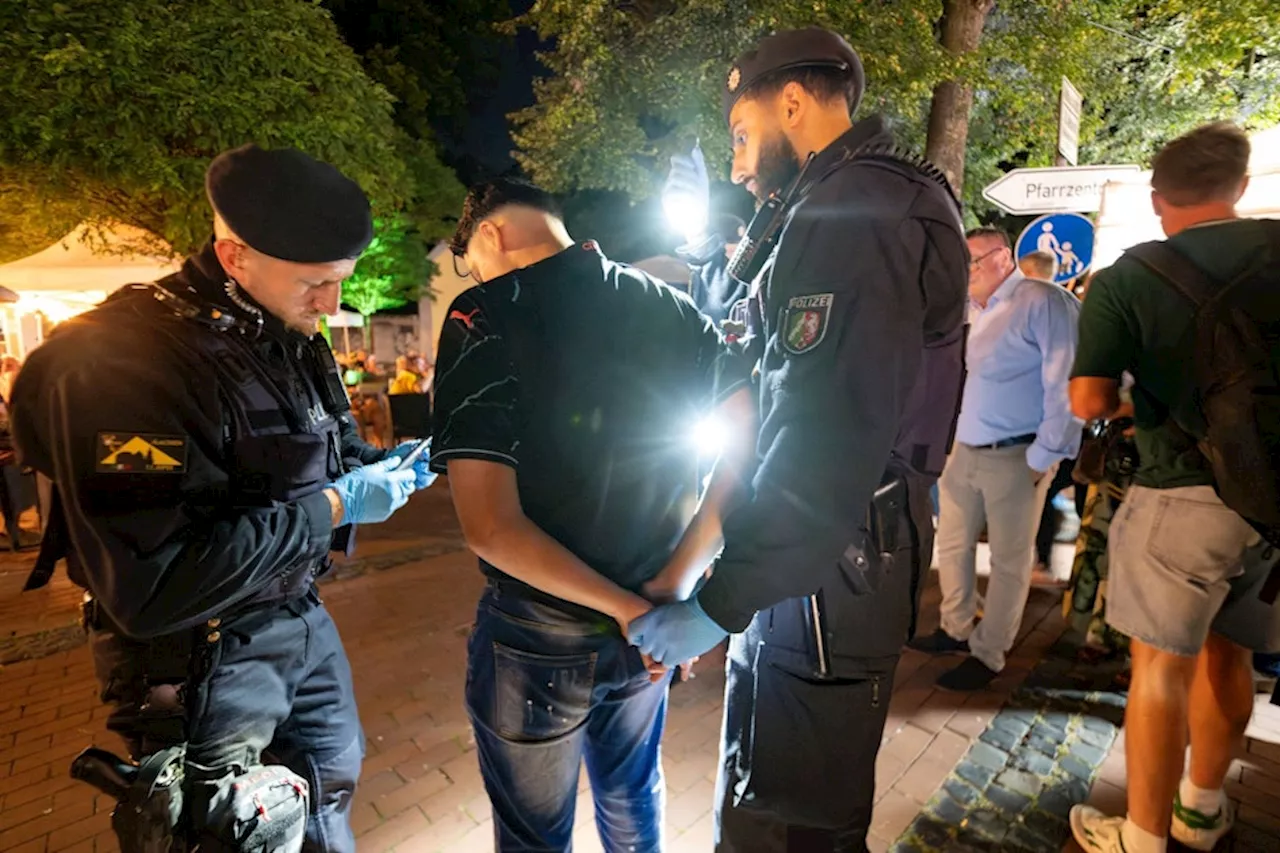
pixel 1066 236
pixel 1069 105
pixel 1067 189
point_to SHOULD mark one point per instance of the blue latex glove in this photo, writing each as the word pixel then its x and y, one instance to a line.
pixel 421 465
pixel 675 633
pixel 370 494
pixel 686 196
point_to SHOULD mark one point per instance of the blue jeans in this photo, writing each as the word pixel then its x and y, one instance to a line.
pixel 277 682
pixel 546 690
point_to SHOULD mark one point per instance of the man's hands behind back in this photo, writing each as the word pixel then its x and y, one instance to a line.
pixel 674 633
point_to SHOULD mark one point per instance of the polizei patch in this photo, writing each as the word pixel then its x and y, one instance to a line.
pixel 804 322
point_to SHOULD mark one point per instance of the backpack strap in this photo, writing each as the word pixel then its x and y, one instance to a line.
pixel 1185 276
pixel 1177 270
pixel 1271 227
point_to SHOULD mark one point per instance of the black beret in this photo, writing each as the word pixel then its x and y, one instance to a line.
pixel 812 47
pixel 288 205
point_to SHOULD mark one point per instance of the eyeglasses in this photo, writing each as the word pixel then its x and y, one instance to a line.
pixel 973 264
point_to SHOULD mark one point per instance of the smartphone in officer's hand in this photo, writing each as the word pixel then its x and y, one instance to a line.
pixel 411 457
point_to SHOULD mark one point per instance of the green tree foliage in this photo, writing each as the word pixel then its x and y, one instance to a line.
pixel 112 111
pixel 116 108
pixel 391 272
pixel 1188 63
pixel 431 57
pixel 634 82
pixel 395 269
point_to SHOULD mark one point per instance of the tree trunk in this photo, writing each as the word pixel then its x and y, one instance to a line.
pixel 962 22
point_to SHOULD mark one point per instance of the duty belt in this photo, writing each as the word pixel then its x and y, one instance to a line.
pixel 95 618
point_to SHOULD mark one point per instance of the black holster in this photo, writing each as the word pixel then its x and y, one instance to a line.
pixel 148 813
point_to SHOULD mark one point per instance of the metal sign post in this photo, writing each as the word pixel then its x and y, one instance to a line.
pixel 1069 105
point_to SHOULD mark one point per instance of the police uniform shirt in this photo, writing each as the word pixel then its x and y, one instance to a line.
pixel 866 265
pixel 588 377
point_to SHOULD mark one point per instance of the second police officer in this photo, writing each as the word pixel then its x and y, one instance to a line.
pixel 861 361
pixel 204 462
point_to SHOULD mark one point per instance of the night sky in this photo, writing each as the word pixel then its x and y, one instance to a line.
pixel 483 149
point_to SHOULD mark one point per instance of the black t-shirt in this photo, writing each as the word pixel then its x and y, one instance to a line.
pixel 589 378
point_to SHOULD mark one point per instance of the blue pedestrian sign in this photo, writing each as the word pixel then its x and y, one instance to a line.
pixel 1066 236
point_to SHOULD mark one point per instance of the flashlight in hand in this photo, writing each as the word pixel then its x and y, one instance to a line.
pixel 709 437
pixel 686 196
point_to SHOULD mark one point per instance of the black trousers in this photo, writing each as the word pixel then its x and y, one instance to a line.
pixel 1049 516
pixel 278 683
pixel 798 761
pixel 798 752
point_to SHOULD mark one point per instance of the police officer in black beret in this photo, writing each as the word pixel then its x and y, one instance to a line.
pixel 861 357
pixel 205 461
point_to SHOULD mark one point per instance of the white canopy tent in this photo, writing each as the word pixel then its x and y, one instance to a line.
pixel 74 265
pixel 72 276
pixel 1126 218
pixel 346 321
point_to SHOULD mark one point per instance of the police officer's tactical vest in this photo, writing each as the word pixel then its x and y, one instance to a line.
pixel 281 436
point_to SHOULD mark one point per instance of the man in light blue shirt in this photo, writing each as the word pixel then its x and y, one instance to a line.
pixel 1015 428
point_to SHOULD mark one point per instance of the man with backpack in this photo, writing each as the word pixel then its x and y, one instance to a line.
pixel 1195 320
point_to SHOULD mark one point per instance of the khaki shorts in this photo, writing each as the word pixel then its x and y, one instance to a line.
pixel 1182 565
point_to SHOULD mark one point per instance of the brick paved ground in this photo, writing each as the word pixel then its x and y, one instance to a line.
pixel 421 791
pixel 405 632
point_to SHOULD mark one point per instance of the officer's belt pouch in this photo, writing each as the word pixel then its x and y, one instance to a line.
pixel 261 811
pixel 280 467
pixel 799 768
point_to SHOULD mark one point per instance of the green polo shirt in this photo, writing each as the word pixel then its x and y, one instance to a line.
pixel 1132 320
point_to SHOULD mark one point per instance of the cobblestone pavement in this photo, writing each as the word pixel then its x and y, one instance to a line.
pixel 1013 789
pixel 1057 742
pixel 405 630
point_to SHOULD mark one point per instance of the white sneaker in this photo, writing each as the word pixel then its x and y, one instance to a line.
pixel 1095 831
pixel 1200 831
